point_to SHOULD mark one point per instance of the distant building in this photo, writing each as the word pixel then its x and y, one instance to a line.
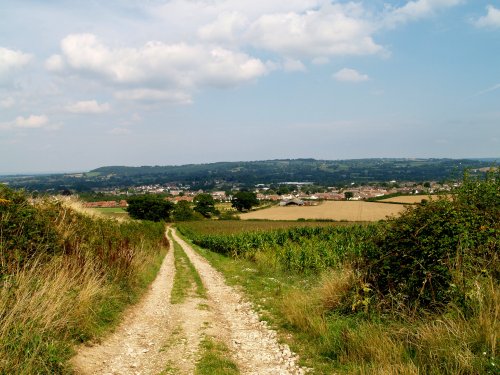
pixel 292 202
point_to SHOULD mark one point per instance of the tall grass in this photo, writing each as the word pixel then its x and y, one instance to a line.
pixel 64 278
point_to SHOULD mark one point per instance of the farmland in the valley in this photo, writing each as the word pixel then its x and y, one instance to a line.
pixel 337 210
pixel 408 199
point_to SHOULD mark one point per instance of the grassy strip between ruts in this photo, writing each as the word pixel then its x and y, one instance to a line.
pixel 186 277
pixel 214 359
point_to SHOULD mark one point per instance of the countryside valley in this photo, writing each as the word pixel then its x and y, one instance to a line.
pixel 391 277
pixel 240 187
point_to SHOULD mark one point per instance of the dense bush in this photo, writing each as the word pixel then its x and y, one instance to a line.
pixel 25 231
pixel 425 257
pixel 149 207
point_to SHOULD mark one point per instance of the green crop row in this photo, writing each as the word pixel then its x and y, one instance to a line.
pixel 302 248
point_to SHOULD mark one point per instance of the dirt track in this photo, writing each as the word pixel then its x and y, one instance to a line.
pixel 157 336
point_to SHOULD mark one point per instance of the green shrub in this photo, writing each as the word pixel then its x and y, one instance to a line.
pixel 424 257
pixel 149 207
pixel 26 231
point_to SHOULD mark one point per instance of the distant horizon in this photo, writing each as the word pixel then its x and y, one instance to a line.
pixel 41 173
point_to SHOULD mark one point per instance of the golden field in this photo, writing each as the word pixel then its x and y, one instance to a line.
pixel 410 199
pixel 332 210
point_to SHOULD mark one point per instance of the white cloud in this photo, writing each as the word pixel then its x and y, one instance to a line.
pixel 491 19
pixel 227 27
pixel 417 9
pixel 152 95
pixel 89 106
pixel 291 65
pixel 32 121
pixel 331 30
pixel 350 75
pixel 10 60
pixel 156 65
pixel 54 63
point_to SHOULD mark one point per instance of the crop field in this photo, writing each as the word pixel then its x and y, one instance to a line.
pixel 239 226
pixel 409 199
pixel 337 210
pixel 297 248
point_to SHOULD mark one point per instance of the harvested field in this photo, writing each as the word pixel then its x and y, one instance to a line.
pixel 337 210
pixel 410 199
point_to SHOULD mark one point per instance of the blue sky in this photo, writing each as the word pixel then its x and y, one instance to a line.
pixel 126 82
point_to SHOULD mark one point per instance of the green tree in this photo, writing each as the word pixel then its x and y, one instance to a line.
pixel 348 195
pixel 205 205
pixel 244 200
pixel 149 207
pixel 184 212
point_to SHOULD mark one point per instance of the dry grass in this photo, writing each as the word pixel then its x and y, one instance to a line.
pixel 42 304
pixel 334 286
pixel 336 210
pixel 71 284
pixel 447 344
pixel 77 205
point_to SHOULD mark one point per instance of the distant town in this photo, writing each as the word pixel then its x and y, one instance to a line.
pixel 301 193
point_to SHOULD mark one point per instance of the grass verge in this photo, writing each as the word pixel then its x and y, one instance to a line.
pixel 65 278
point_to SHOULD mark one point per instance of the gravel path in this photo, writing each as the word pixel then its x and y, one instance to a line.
pixel 156 336
pixel 256 347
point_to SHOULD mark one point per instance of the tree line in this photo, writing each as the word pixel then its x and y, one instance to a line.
pixel 156 208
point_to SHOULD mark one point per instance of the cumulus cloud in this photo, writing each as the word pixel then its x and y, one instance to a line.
pixel 218 37
pixel 418 9
pixel 10 60
pixel 227 27
pixel 31 122
pixel 157 64
pixel 333 29
pixel 491 19
pixel 350 75
pixel 89 106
